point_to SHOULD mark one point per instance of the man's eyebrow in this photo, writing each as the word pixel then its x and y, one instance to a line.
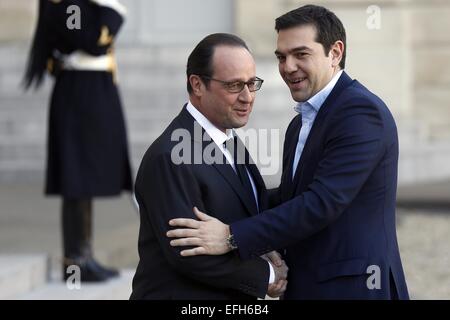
pixel 240 80
pixel 301 48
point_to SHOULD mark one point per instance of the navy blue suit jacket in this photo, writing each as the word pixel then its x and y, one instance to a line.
pixel 336 218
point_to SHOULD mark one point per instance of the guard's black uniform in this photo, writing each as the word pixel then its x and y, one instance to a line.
pixel 87 145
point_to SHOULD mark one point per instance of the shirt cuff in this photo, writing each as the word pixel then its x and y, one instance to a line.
pixel 272 274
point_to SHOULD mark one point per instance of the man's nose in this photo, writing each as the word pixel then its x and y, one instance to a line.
pixel 290 65
pixel 245 95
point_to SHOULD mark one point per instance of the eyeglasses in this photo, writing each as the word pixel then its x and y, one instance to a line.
pixel 238 86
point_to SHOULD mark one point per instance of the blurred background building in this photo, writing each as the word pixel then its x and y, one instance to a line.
pixel 400 49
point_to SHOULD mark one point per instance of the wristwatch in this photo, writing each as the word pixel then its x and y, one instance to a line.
pixel 231 243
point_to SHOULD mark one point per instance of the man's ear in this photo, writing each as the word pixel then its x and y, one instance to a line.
pixel 196 84
pixel 336 51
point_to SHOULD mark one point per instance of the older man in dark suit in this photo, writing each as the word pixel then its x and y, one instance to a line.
pixel 198 170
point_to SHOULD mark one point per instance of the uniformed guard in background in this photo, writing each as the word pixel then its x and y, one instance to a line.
pixel 87 152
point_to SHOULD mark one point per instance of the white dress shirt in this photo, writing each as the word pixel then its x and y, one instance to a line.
pixel 309 110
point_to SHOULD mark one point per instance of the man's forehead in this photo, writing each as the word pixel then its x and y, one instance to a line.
pixel 297 38
pixel 228 54
pixel 232 62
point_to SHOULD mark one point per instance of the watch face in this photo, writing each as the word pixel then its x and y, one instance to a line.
pixel 231 243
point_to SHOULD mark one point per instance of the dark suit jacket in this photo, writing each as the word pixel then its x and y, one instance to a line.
pixel 337 217
pixel 165 190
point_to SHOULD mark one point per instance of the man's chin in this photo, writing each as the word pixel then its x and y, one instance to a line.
pixel 239 124
pixel 299 97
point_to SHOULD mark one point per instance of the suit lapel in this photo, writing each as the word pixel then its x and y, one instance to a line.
pixel 258 180
pixel 231 177
pixel 225 169
pixel 260 186
pixel 287 184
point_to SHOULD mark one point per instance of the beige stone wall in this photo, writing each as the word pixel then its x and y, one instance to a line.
pixel 431 66
pixel 255 23
pixel 17 19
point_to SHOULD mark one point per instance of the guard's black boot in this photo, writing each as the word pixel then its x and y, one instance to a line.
pixel 77 235
pixel 89 272
pixel 110 272
pixel 87 242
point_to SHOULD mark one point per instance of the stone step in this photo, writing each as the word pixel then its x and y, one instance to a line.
pixel 114 289
pixel 22 273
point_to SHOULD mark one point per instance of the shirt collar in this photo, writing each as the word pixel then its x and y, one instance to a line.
pixel 319 98
pixel 218 136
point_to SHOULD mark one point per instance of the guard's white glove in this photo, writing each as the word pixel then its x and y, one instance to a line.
pixel 113 4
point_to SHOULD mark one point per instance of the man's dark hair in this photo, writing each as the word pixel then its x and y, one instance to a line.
pixel 200 59
pixel 328 26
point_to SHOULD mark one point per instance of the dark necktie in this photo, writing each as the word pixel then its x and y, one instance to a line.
pixel 240 158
